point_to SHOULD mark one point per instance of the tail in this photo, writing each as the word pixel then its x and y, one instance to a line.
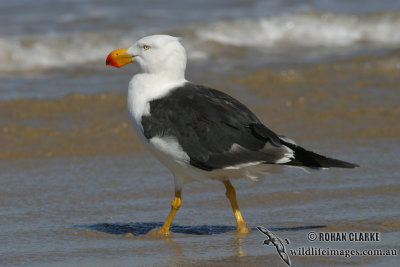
pixel 305 158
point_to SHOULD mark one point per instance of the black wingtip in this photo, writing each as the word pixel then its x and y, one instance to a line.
pixel 335 163
pixel 349 165
pixel 305 158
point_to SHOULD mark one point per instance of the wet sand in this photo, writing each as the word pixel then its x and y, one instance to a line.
pixel 352 98
pixel 78 189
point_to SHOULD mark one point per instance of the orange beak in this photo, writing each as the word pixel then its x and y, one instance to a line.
pixel 119 58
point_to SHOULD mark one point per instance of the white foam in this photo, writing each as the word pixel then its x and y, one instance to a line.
pixel 306 29
pixel 20 53
pixel 283 32
pixel 52 50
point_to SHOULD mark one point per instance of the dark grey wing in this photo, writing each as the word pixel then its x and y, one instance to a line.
pixel 214 129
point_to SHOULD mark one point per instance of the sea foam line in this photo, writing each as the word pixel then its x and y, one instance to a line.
pixel 313 29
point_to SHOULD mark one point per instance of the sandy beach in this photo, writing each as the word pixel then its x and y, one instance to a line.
pixel 77 188
pixel 81 176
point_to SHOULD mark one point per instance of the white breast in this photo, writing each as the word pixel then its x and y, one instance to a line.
pixel 142 89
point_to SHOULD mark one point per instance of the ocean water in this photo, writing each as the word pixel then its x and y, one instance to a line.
pixel 78 189
pixel 52 48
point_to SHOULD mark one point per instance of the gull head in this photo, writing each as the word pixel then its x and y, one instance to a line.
pixel 155 54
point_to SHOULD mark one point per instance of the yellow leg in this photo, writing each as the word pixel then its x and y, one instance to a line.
pixel 176 203
pixel 231 195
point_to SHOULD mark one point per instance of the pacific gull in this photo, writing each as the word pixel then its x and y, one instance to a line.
pixel 199 132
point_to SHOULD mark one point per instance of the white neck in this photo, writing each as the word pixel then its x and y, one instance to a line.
pixel 145 87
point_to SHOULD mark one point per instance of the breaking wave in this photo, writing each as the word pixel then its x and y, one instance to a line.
pixel 307 29
pixel 22 53
pixel 313 30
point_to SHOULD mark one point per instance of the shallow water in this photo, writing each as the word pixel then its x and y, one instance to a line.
pixel 78 189
pixel 78 211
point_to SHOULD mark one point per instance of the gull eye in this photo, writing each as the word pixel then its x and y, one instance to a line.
pixel 146 47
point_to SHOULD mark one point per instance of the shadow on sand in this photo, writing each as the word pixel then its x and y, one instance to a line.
pixel 142 228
